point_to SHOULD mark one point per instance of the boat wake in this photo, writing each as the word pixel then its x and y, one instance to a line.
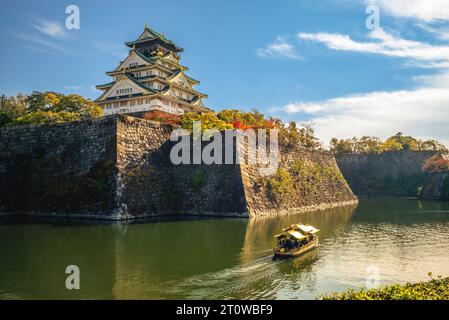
pixel 233 283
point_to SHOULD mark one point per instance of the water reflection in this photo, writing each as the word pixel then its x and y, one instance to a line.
pixel 259 232
pixel 225 258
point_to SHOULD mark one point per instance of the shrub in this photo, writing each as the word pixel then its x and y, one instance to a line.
pixel 299 169
pixel 199 179
pixel 163 117
pixel 436 163
pixel 280 184
pixel 435 289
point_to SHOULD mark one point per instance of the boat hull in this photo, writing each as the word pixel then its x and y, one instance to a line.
pixel 295 253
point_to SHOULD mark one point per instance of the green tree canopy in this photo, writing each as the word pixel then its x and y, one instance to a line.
pixel 397 142
pixel 46 107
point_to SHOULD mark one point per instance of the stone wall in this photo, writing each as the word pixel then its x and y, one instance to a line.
pixel 59 169
pixel 436 187
pixel 149 184
pixel 144 174
pixel 393 173
pixel 119 167
pixel 305 180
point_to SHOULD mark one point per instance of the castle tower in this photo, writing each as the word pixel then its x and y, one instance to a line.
pixel 151 78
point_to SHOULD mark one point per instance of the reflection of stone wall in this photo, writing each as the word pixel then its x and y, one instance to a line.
pixel 394 173
pixel 119 167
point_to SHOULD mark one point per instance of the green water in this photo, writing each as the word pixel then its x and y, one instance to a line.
pixel 224 258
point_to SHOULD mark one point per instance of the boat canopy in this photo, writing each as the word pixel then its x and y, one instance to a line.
pixel 298 231
pixel 297 235
pixel 307 229
pixel 291 233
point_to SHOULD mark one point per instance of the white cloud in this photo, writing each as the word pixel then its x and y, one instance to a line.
pixel 441 33
pixel 422 112
pixel 425 10
pixel 440 80
pixel 53 29
pixel 280 48
pixel 41 44
pixel 383 43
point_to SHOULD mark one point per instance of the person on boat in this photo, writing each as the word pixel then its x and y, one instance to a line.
pixel 289 244
pixel 282 244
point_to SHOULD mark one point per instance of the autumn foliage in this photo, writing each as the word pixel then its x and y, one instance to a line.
pixel 290 134
pixel 164 117
pixel 436 163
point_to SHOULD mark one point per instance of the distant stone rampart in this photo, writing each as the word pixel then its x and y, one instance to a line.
pixel 393 173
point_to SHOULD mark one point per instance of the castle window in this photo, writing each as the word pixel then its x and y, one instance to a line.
pixel 124 91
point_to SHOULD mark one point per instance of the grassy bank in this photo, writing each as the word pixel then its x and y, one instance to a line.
pixel 435 289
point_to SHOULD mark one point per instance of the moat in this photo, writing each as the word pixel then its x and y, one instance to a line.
pixel 224 258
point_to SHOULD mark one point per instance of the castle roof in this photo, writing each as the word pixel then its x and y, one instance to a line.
pixel 149 35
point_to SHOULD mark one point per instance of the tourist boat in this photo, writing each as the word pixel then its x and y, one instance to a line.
pixel 295 240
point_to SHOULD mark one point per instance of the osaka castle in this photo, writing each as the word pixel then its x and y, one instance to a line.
pixel 151 78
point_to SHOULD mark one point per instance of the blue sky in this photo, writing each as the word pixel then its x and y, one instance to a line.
pixel 293 59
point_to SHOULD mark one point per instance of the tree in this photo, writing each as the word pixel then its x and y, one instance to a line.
pixel 290 135
pixel 47 107
pixel 391 145
pixel 307 136
pixel 13 107
pixel 436 163
pixel 431 145
pixel 341 146
pixel 407 142
pixel 209 120
pixel 367 144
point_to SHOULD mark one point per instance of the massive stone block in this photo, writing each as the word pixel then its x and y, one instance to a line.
pixel 118 167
